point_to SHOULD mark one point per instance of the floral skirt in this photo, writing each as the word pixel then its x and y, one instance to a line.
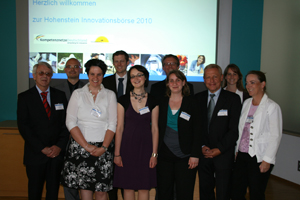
pixel 83 171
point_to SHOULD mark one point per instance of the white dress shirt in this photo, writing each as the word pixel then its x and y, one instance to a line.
pixel 79 113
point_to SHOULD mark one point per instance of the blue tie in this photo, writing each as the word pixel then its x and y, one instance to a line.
pixel 120 87
pixel 211 107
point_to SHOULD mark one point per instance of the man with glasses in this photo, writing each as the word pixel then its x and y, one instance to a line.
pixel 41 115
pixel 72 70
pixel 170 62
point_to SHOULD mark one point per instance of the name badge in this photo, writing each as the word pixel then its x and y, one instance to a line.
pixel 144 110
pixel 185 116
pixel 59 106
pixel 223 113
pixel 96 112
pixel 249 119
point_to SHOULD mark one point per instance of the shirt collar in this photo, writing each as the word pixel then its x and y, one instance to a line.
pixel 217 93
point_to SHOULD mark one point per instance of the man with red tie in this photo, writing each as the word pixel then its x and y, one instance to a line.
pixel 41 115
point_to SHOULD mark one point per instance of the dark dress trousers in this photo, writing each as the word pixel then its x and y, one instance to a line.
pixel 170 168
pixel 222 133
pixel 39 132
pixel 158 90
pixel 109 82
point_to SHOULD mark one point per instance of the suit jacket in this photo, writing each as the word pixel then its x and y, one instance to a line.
pixel 223 130
pixel 109 82
pixel 188 130
pixel 266 129
pixel 158 90
pixel 65 88
pixel 35 127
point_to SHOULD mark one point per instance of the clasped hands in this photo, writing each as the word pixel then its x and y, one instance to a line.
pixel 52 151
pixel 94 151
pixel 210 153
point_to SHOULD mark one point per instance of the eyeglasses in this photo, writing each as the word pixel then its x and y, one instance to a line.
pixel 72 67
pixel 171 64
pixel 49 74
pixel 138 76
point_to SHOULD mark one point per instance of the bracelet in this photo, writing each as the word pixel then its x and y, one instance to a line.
pixel 117 155
pixel 105 148
pixel 154 155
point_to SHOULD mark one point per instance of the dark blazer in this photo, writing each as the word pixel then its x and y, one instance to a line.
pixel 188 131
pixel 65 88
pixel 158 90
pixel 109 82
pixel 223 130
pixel 35 127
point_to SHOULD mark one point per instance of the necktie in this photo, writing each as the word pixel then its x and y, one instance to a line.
pixel 46 104
pixel 211 107
pixel 120 87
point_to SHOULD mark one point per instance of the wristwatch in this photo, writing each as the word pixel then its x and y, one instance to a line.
pixel 105 148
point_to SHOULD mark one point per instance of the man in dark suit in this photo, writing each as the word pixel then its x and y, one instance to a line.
pixel 169 62
pixel 220 112
pixel 41 115
pixel 119 82
pixel 72 70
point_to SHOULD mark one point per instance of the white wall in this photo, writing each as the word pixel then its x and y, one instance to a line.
pixel 280 61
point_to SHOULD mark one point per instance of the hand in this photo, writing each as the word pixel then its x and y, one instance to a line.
pixel 118 161
pixel 90 148
pixel 213 153
pixel 98 152
pixel 153 162
pixel 264 167
pixel 55 151
pixel 46 151
pixel 193 162
pixel 205 151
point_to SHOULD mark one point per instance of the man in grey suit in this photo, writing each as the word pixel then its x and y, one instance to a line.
pixel 72 69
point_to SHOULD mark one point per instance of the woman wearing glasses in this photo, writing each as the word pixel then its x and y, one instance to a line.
pixel 179 140
pixel 91 120
pixel 136 138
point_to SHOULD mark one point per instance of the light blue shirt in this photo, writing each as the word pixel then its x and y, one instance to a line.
pixel 216 97
pixel 48 94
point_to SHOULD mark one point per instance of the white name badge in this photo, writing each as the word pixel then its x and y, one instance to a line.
pixel 249 119
pixel 95 112
pixel 59 106
pixel 223 113
pixel 185 116
pixel 144 110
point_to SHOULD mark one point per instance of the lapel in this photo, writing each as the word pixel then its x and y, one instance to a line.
pixel 38 103
pixel 66 90
pixel 221 101
pixel 114 84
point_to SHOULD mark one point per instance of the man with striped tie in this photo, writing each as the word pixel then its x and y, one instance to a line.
pixel 41 115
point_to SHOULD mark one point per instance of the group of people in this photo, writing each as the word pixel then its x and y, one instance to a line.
pixel 110 133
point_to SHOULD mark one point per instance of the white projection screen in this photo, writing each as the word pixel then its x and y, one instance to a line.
pixel 147 30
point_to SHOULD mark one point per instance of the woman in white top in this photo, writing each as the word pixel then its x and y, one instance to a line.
pixel 233 81
pixel 91 120
pixel 260 130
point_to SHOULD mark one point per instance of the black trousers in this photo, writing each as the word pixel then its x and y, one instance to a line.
pixel 39 173
pixel 211 176
pixel 246 173
pixel 173 170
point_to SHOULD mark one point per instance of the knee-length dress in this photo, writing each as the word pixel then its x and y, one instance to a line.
pixel 136 148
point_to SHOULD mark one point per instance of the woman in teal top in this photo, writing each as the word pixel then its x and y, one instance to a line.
pixel 179 140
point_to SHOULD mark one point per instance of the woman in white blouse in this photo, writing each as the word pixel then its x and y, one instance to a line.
pixel 233 81
pixel 260 130
pixel 91 120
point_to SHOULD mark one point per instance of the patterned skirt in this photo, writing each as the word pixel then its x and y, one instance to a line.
pixel 83 171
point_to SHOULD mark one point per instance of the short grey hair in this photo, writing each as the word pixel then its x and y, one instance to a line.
pixel 213 66
pixel 41 63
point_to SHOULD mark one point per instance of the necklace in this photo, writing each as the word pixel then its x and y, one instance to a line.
pixel 92 93
pixel 139 97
